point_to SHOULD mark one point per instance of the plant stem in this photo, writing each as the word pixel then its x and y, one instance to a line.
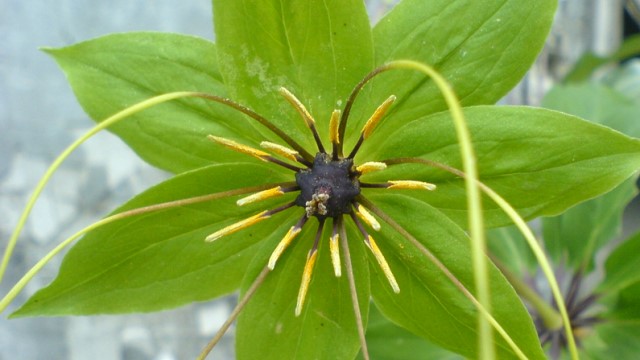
pixel 551 318
pixel 476 223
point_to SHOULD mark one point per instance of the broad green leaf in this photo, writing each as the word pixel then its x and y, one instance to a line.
pixel 160 260
pixel 268 328
pixel 576 235
pixel 621 267
pixel 113 72
pixel 428 304
pixel 508 245
pixel 618 340
pixel 541 161
pixel 478 46
pixel 597 103
pixel 317 49
pixel 387 341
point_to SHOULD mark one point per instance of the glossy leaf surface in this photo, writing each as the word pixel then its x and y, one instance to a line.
pixel 113 72
pixel 522 154
pixel 428 303
pixel 159 260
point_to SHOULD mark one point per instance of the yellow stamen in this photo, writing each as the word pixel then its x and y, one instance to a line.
pixel 293 100
pixel 282 246
pixel 370 167
pixel 335 254
pixel 333 127
pixel 239 147
pixel 280 150
pixel 411 185
pixel 383 264
pixel 306 279
pixel 377 116
pixel 367 217
pixel 262 195
pixel 237 226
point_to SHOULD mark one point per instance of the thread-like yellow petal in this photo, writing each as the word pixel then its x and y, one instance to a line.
pixel 367 217
pixel 280 150
pixel 306 279
pixel 335 254
pixel 239 147
pixel 262 195
pixel 377 116
pixel 383 264
pixel 411 185
pixel 237 226
pixel 282 246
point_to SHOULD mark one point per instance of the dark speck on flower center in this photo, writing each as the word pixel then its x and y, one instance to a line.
pixel 328 188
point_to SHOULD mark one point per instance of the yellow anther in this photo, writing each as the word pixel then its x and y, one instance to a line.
pixel 370 167
pixel 377 116
pixel 262 195
pixel 282 246
pixel 239 147
pixel 237 226
pixel 367 217
pixel 306 279
pixel 293 100
pixel 411 185
pixel 280 150
pixel 334 136
pixel 335 254
pixel 383 264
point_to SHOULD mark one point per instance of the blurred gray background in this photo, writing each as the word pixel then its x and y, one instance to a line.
pixel 39 117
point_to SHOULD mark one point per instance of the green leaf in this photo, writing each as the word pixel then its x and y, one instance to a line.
pixel 428 304
pixel 541 161
pixel 160 260
pixel 597 103
pixel 317 49
pixel 113 72
pixel 619 340
pixel 326 328
pixel 478 46
pixel 622 266
pixel 387 341
pixel 576 235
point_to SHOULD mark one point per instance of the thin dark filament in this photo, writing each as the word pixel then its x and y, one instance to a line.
pixel 287 189
pixel 235 313
pixel 283 164
pixel 352 285
pixel 347 108
pixel 374 186
pixel 357 147
pixel 582 305
pixel 360 226
pixel 316 137
pixel 318 236
pixel 259 118
pixel 279 209
pixel 572 293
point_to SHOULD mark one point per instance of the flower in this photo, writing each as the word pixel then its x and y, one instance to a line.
pixel 329 187
pixel 322 51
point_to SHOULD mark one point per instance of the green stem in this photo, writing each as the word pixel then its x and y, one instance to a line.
pixel 56 163
pixel 476 224
pixel 19 286
pixel 551 318
pixel 544 263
